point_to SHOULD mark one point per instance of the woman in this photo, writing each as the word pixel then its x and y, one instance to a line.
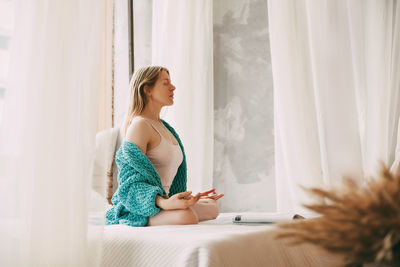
pixel 152 163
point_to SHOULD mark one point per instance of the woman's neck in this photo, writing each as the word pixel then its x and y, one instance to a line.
pixel 151 112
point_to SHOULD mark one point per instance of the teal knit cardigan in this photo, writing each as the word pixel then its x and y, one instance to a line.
pixel 139 184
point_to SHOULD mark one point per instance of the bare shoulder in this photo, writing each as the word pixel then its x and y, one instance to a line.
pixel 139 133
pixel 138 125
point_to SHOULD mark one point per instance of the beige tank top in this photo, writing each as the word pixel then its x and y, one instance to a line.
pixel 167 156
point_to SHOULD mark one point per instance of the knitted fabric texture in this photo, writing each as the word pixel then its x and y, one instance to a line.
pixel 139 184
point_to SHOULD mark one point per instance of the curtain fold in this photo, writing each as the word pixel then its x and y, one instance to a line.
pixel 336 85
pixel 182 41
pixel 47 135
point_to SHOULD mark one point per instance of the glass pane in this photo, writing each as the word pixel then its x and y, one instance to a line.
pixel 243 107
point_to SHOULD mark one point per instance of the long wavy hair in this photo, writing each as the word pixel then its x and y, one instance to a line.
pixel 141 83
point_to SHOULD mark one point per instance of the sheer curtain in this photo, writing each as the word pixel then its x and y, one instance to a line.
pixel 47 136
pixel 182 41
pixel 336 72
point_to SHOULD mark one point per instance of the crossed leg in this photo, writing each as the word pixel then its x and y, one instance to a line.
pixel 204 209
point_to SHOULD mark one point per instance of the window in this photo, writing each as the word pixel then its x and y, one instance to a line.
pixel 243 96
pixel 243 107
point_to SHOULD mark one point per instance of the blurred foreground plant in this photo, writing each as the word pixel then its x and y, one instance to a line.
pixel 361 223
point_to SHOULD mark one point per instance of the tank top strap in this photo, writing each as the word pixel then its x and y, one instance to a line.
pixel 153 125
pixel 162 131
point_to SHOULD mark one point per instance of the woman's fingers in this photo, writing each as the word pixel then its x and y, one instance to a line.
pixel 184 194
pixel 190 200
pixel 193 200
pixel 196 197
pixel 206 193
pixel 214 197
pixel 218 196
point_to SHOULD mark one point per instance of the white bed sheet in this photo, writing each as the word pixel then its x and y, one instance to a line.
pixel 212 243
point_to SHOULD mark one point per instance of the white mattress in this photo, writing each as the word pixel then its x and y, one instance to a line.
pixel 212 243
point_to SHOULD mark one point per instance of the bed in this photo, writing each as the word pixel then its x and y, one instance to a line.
pixel 212 243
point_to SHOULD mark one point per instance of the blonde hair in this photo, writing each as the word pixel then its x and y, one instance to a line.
pixel 142 82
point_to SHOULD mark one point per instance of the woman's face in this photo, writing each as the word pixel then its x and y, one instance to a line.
pixel 163 90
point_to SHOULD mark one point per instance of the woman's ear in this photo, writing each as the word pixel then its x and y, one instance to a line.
pixel 147 91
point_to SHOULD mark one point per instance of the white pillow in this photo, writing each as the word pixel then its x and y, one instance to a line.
pixel 105 150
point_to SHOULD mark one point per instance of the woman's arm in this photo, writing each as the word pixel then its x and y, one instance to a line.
pixel 139 133
pixel 138 196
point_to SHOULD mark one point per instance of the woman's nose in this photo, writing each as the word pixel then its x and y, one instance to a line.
pixel 173 87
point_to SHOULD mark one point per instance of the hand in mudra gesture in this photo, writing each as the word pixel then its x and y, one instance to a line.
pixel 185 199
pixel 213 196
pixel 179 201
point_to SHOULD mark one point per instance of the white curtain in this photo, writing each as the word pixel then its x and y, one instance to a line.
pixel 182 41
pixel 47 135
pixel 336 74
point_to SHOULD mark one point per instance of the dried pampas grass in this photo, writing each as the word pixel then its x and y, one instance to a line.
pixel 361 223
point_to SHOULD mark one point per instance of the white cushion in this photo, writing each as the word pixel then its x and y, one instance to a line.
pixel 105 150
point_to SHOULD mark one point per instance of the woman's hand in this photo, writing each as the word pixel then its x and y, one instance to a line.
pixel 178 201
pixel 214 195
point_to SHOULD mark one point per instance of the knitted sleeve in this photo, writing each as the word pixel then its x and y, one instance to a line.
pixel 138 196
